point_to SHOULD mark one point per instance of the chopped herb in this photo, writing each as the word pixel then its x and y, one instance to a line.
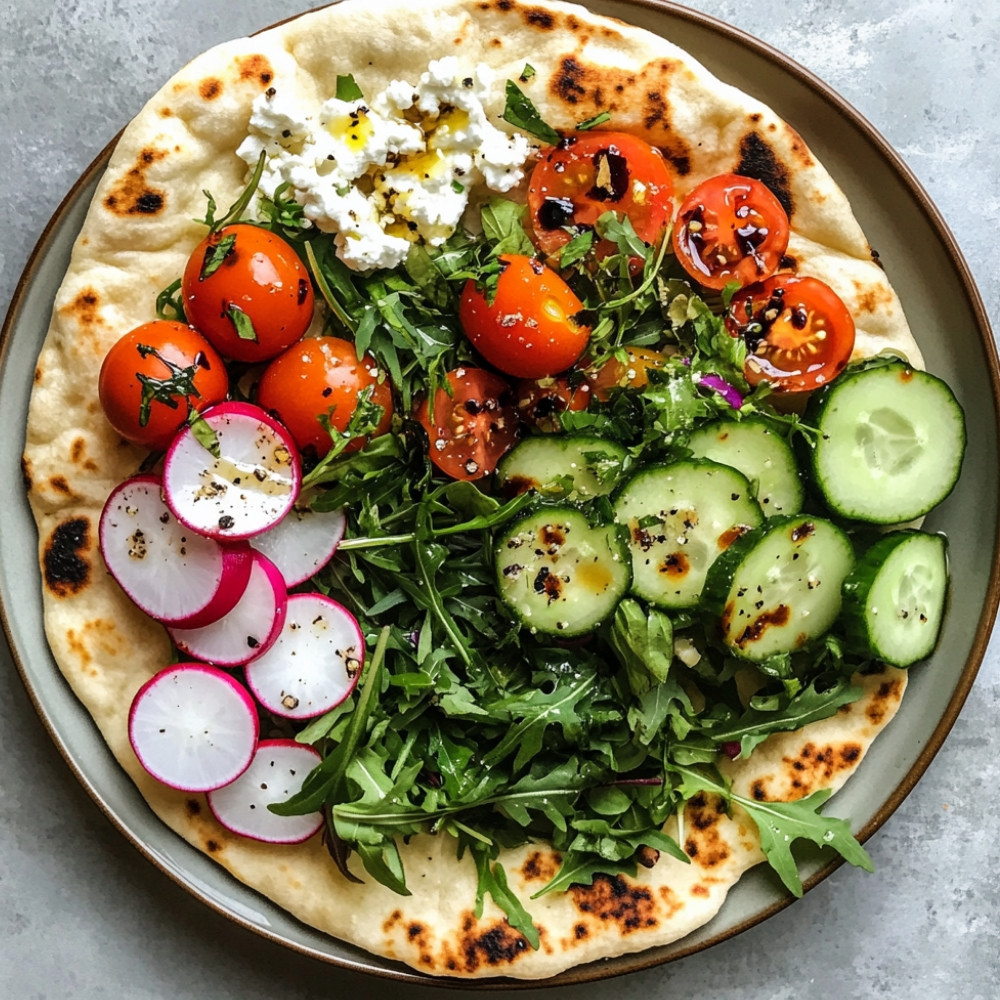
pixel 521 112
pixel 203 433
pixel 244 325
pixel 216 254
pixel 584 126
pixel 348 89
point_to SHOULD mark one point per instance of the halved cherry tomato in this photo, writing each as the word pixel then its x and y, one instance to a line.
pixel 247 291
pixel 322 377
pixel 473 426
pixel 798 331
pixel 730 228
pixel 540 401
pixel 632 373
pixel 591 173
pixel 154 376
pixel 533 327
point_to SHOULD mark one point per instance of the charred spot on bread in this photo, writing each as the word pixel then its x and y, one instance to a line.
pixel 540 866
pixel 257 68
pixel 85 308
pixel 64 565
pixel 133 195
pixel 498 945
pixel 539 18
pixel 613 900
pixel 210 88
pixel 758 160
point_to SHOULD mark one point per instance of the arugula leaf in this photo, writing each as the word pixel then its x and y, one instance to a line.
pixel 503 226
pixel 535 710
pixel 493 880
pixel 239 206
pixel 169 304
pixel 810 705
pixel 644 642
pixel 780 824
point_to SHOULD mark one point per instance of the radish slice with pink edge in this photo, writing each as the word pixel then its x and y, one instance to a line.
pixel 171 572
pixel 241 481
pixel 275 774
pixel 193 727
pixel 302 542
pixel 314 663
pixel 246 631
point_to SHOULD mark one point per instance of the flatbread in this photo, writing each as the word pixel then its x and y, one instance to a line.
pixel 135 241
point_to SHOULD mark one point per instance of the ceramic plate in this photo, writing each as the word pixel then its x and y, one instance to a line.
pixel 950 324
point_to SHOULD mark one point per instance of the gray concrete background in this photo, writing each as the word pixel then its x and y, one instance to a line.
pixel 83 916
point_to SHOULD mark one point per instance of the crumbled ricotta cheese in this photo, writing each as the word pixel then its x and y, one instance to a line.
pixel 397 169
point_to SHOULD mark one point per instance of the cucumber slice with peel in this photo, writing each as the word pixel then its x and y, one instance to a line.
pixel 761 453
pixel 778 588
pixel 559 574
pixel 890 445
pixel 574 466
pixel 894 598
pixel 680 517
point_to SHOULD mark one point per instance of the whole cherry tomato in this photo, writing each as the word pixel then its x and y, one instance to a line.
pixel 474 422
pixel 154 376
pixel 247 291
pixel 798 331
pixel 730 228
pixel 590 173
pixel 321 377
pixel 533 327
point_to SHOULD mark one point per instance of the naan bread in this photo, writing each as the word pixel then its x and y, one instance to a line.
pixel 135 241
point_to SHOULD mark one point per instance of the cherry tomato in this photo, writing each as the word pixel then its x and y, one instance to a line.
pixel 591 173
pixel 540 401
pixel 533 327
pixel 799 333
pixel 154 376
pixel 472 426
pixel 247 291
pixel 632 373
pixel 322 377
pixel 730 228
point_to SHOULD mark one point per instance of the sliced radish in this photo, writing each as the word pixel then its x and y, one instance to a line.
pixel 171 572
pixel 315 661
pixel 302 542
pixel 193 727
pixel 246 631
pixel 247 488
pixel 274 775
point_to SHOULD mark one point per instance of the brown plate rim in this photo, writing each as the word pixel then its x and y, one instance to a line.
pixel 592 972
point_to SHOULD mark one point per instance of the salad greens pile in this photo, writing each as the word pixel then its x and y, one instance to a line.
pixel 464 721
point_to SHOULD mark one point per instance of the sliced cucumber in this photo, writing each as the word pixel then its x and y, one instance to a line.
pixel 680 517
pixel 779 587
pixel 890 445
pixel 558 573
pixel 756 449
pixel 894 598
pixel 576 466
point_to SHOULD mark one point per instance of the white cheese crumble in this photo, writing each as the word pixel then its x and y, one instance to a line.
pixel 384 173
